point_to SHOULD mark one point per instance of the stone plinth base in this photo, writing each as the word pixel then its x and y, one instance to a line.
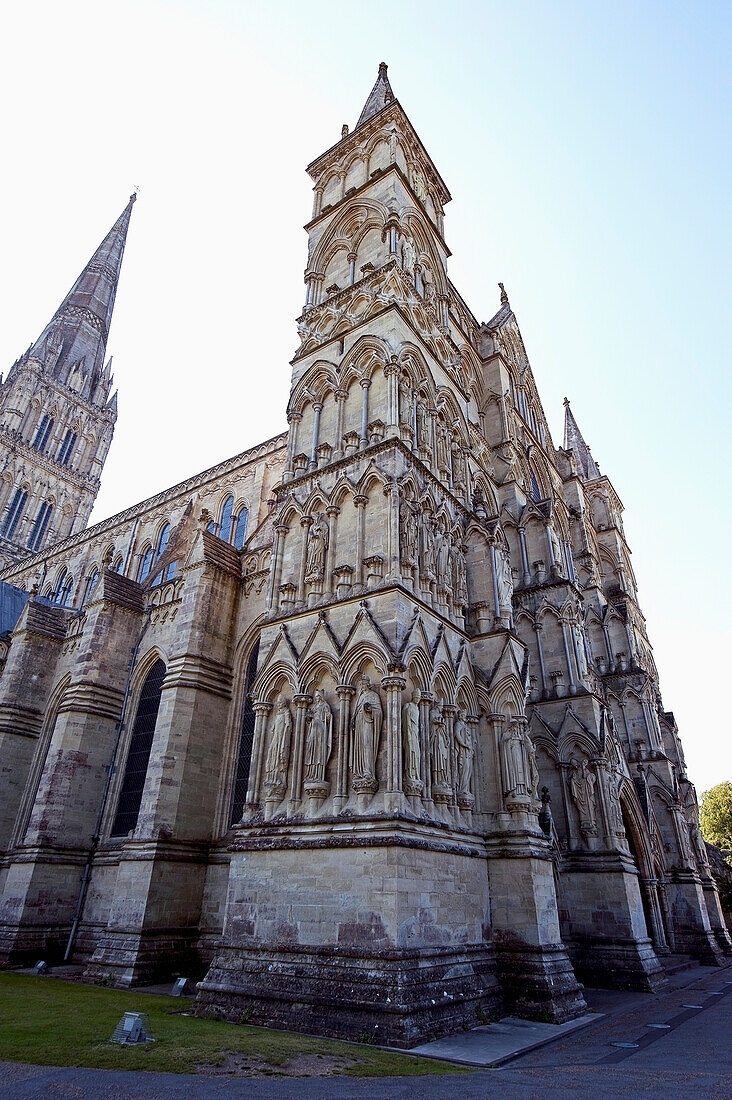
pixel 396 998
pixel 539 982
pixel 630 965
pixel 126 958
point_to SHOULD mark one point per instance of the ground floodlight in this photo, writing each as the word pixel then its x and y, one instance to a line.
pixel 182 988
pixel 41 967
pixel 134 1027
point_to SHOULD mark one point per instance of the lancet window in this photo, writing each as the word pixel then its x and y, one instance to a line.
pixel 138 757
pixel 246 741
pixel 40 525
pixel 42 434
pixel 14 513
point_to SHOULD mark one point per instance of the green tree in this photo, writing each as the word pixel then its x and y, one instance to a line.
pixel 715 816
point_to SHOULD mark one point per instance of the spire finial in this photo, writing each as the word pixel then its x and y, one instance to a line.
pixel 381 95
pixel 566 402
pixel 504 296
pixel 382 69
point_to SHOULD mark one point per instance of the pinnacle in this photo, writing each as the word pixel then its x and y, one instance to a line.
pixel 380 95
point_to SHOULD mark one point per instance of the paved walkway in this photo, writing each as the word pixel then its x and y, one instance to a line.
pixel 619 1053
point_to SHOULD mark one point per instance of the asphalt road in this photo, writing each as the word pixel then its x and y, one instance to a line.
pixel 692 1057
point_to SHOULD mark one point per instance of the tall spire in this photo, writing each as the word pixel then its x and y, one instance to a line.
pixel 574 441
pixel 381 94
pixel 77 333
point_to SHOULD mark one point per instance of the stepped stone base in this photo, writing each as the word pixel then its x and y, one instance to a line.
pixel 125 958
pixel 630 965
pixel 398 998
pixel 539 982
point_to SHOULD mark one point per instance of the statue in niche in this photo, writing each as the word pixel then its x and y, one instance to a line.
pixel 459 577
pixel 428 284
pixel 513 758
pixel 533 770
pixel 409 532
pixel 409 255
pixel 367 718
pixel 423 426
pixel 442 554
pixel 582 787
pixel 319 740
pixel 410 742
pixel 439 751
pixel 278 754
pixel 428 545
pixel 464 752
pixel 616 813
pixel 579 648
pixel 556 550
pixel 419 185
pixel 442 447
pixel 504 577
pixel 317 548
pixel 700 850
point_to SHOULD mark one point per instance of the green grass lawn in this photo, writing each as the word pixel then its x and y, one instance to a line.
pixel 50 1022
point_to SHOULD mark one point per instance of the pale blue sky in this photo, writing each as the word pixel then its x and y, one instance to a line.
pixel 587 149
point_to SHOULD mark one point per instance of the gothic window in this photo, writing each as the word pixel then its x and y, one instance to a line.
pixel 138 757
pixel 64 591
pixel 118 564
pixel 163 540
pixel 40 525
pixel 246 741
pixel 67 447
pixel 535 490
pixel 14 513
pixel 90 586
pixel 240 528
pixel 145 564
pixel 226 516
pixel 42 434
pixel 211 526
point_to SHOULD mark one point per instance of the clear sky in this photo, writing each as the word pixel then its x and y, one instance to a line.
pixel 587 149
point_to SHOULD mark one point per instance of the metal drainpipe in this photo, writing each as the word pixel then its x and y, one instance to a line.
pixel 105 794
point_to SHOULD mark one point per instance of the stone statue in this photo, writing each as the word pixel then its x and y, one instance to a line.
pixel 367 718
pixel 533 770
pixel 616 813
pixel 409 532
pixel 464 746
pixel 439 751
pixel 700 850
pixel 579 648
pixel 504 577
pixel 317 547
pixel 278 754
pixel 443 459
pixel 428 545
pixel 556 550
pixel 459 579
pixel 319 740
pixel 582 786
pixel 513 758
pixel 409 254
pixel 419 185
pixel 442 554
pixel 410 742
pixel 423 426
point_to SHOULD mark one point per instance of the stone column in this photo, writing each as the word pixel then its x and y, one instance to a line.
pixel 306 523
pixel 302 702
pixel 352 267
pixel 275 567
pixel 340 396
pixel 538 629
pixel 570 663
pixel 317 409
pixel 317 201
pixel 293 420
pixel 261 712
pixel 364 437
pixel 425 702
pixel 393 686
pixel 360 502
pixel 391 372
pixel 345 693
pixel 332 511
pixel 449 711
pixel 394 551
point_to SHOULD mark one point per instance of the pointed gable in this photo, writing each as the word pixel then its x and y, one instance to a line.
pixel 381 94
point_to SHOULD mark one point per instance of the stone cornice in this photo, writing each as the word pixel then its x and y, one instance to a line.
pixel 270 446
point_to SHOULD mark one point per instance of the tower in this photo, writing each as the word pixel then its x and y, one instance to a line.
pixel 56 413
pixel 389 874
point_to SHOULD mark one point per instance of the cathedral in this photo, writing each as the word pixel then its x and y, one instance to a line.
pixel 361 728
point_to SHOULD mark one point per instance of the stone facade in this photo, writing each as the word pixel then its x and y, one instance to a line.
pixel 362 724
